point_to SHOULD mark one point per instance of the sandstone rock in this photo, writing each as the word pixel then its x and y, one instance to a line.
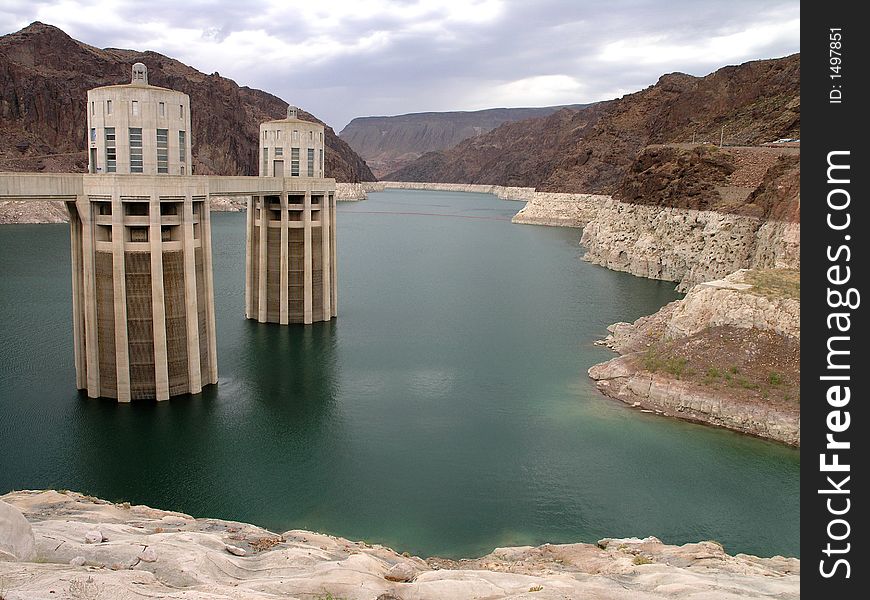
pixel 235 550
pixel 350 192
pixel 16 535
pixel 767 322
pixel 730 301
pixel 686 246
pixel 77 561
pixel 565 210
pixel 401 572
pixel 195 565
pixel 148 555
pixel 94 536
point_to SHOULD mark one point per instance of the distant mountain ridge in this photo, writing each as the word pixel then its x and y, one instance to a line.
pixel 389 143
pixel 590 150
pixel 44 78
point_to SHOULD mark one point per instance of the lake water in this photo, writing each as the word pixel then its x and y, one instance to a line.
pixel 446 411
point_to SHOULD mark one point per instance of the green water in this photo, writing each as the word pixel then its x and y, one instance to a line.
pixel 446 411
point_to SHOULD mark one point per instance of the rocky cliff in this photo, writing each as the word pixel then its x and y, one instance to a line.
pixel 590 150
pixel 70 546
pixel 686 245
pixel 688 214
pixel 728 354
pixel 390 143
pixel 44 78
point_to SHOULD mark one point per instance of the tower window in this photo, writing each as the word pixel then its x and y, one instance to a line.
pixel 180 111
pixel 111 153
pixel 311 162
pixel 182 148
pixel 321 162
pixel 93 135
pixel 93 110
pixel 163 151
pixel 265 162
pixel 161 109
pixel 135 106
pixel 135 149
pixel 138 234
pixel 279 151
pixel 295 135
pixel 108 107
pixel 294 162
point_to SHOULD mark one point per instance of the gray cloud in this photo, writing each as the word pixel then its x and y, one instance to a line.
pixel 375 58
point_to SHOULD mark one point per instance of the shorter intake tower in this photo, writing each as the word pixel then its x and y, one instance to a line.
pixel 290 253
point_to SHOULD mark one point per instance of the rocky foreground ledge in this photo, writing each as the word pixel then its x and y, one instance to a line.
pixel 64 545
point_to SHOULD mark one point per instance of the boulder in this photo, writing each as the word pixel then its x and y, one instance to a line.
pixel 16 535
pixel 94 536
pixel 401 572
pixel 148 555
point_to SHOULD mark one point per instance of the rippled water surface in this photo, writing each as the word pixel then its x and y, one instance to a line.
pixel 446 411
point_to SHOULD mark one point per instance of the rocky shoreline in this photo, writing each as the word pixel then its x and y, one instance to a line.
pixel 66 545
pixel 685 245
pixel 359 191
pixel 726 355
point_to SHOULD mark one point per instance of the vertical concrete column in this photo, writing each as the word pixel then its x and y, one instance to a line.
pixel 249 257
pixel 284 264
pixel 325 260
pixel 263 261
pixel 89 295
pixel 333 271
pixel 194 372
pixel 307 281
pixel 119 290
pixel 158 302
pixel 75 238
pixel 208 273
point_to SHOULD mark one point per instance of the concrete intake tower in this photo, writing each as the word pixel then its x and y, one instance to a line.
pixel 143 301
pixel 290 253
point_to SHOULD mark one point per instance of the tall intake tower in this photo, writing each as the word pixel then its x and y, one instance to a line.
pixel 290 254
pixel 143 299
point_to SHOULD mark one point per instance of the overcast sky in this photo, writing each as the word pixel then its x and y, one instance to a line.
pixel 345 58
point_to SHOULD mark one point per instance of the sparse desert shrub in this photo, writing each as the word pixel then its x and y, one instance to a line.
pixel 264 543
pixel 654 361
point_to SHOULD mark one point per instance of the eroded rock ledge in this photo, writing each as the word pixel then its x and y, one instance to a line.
pixel 685 245
pixel 83 547
pixel 728 355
